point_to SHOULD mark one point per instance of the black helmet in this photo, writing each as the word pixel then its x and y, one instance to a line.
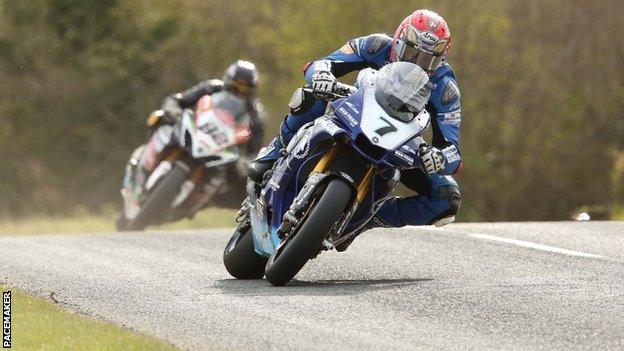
pixel 241 78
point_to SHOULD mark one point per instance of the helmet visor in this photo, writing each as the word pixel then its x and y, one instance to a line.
pixel 426 60
pixel 241 88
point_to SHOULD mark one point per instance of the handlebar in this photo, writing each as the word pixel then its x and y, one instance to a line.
pixel 340 90
pixel 344 89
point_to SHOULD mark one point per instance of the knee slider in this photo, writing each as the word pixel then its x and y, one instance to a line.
pixel 451 194
pixel 301 102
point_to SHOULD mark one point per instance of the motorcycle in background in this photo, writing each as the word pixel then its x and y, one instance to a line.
pixel 183 165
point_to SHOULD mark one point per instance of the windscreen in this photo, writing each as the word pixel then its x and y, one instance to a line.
pixel 402 90
pixel 234 105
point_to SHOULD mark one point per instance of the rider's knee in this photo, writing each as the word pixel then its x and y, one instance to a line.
pixel 451 195
pixel 301 102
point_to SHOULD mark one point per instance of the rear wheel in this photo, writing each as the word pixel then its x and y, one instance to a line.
pixel 160 199
pixel 303 244
pixel 240 258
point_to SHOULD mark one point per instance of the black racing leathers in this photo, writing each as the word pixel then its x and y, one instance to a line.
pixel 174 104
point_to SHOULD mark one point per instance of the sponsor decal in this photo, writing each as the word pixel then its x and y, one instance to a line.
pixel 303 147
pixel 404 157
pixel 346 176
pixel 453 117
pixel 428 37
pixel 348 116
pixel 455 105
pixel 352 107
pixel 408 149
pixel 329 126
pixel 6 319
pixel 450 93
pixel 451 154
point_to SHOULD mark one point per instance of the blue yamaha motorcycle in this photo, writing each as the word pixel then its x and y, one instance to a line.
pixel 333 176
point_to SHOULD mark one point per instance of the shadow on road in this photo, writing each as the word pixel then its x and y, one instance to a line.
pixel 330 287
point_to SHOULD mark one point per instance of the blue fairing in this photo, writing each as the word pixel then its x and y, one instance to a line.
pixel 348 113
pixel 341 124
pixel 284 185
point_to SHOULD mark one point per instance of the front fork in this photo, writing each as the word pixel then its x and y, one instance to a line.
pixel 168 160
pixel 320 172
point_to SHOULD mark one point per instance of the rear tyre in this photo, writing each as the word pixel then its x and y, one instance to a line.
pixel 288 260
pixel 240 258
pixel 160 199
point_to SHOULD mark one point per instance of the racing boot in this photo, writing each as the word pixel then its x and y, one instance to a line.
pixel 269 154
pixel 265 160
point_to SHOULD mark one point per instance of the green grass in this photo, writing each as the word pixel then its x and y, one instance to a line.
pixel 41 325
pixel 208 218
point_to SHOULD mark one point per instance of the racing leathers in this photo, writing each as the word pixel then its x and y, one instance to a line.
pixel 438 197
pixel 174 104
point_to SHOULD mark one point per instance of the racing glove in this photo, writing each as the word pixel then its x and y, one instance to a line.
pixel 171 107
pixel 323 82
pixel 432 159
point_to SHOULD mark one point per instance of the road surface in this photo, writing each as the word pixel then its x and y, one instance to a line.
pixel 465 286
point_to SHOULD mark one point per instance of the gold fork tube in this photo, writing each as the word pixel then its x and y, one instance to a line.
pixel 365 184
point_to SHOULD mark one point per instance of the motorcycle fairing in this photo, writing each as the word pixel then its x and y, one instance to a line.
pixel 206 133
pixel 284 184
pixel 380 134
pixel 345 125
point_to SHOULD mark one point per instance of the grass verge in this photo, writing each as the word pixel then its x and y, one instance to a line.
pixel 206 219
pixel 41 325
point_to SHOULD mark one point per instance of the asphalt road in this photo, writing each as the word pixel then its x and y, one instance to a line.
pixel 466 286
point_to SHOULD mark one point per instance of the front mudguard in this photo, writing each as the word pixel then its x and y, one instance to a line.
pixel 131 185
pixel 131 166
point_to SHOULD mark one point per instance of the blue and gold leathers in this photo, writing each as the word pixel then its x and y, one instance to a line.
pixel 438 196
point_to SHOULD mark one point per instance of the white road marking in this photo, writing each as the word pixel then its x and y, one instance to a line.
pixel 535 246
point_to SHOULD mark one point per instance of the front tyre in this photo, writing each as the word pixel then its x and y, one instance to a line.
pixel 288 260
pixel 240 258
pixel 160 198
pixel 122 223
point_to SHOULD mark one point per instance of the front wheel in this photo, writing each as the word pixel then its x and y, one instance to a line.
pixel 160 199
pixel 240 258
pixel 288 260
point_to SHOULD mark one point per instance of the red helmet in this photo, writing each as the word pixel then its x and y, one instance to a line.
pixel 422 38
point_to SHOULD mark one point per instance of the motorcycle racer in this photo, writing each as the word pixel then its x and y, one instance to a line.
pixel 240 79
pixel 422 38
pixel 237 87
